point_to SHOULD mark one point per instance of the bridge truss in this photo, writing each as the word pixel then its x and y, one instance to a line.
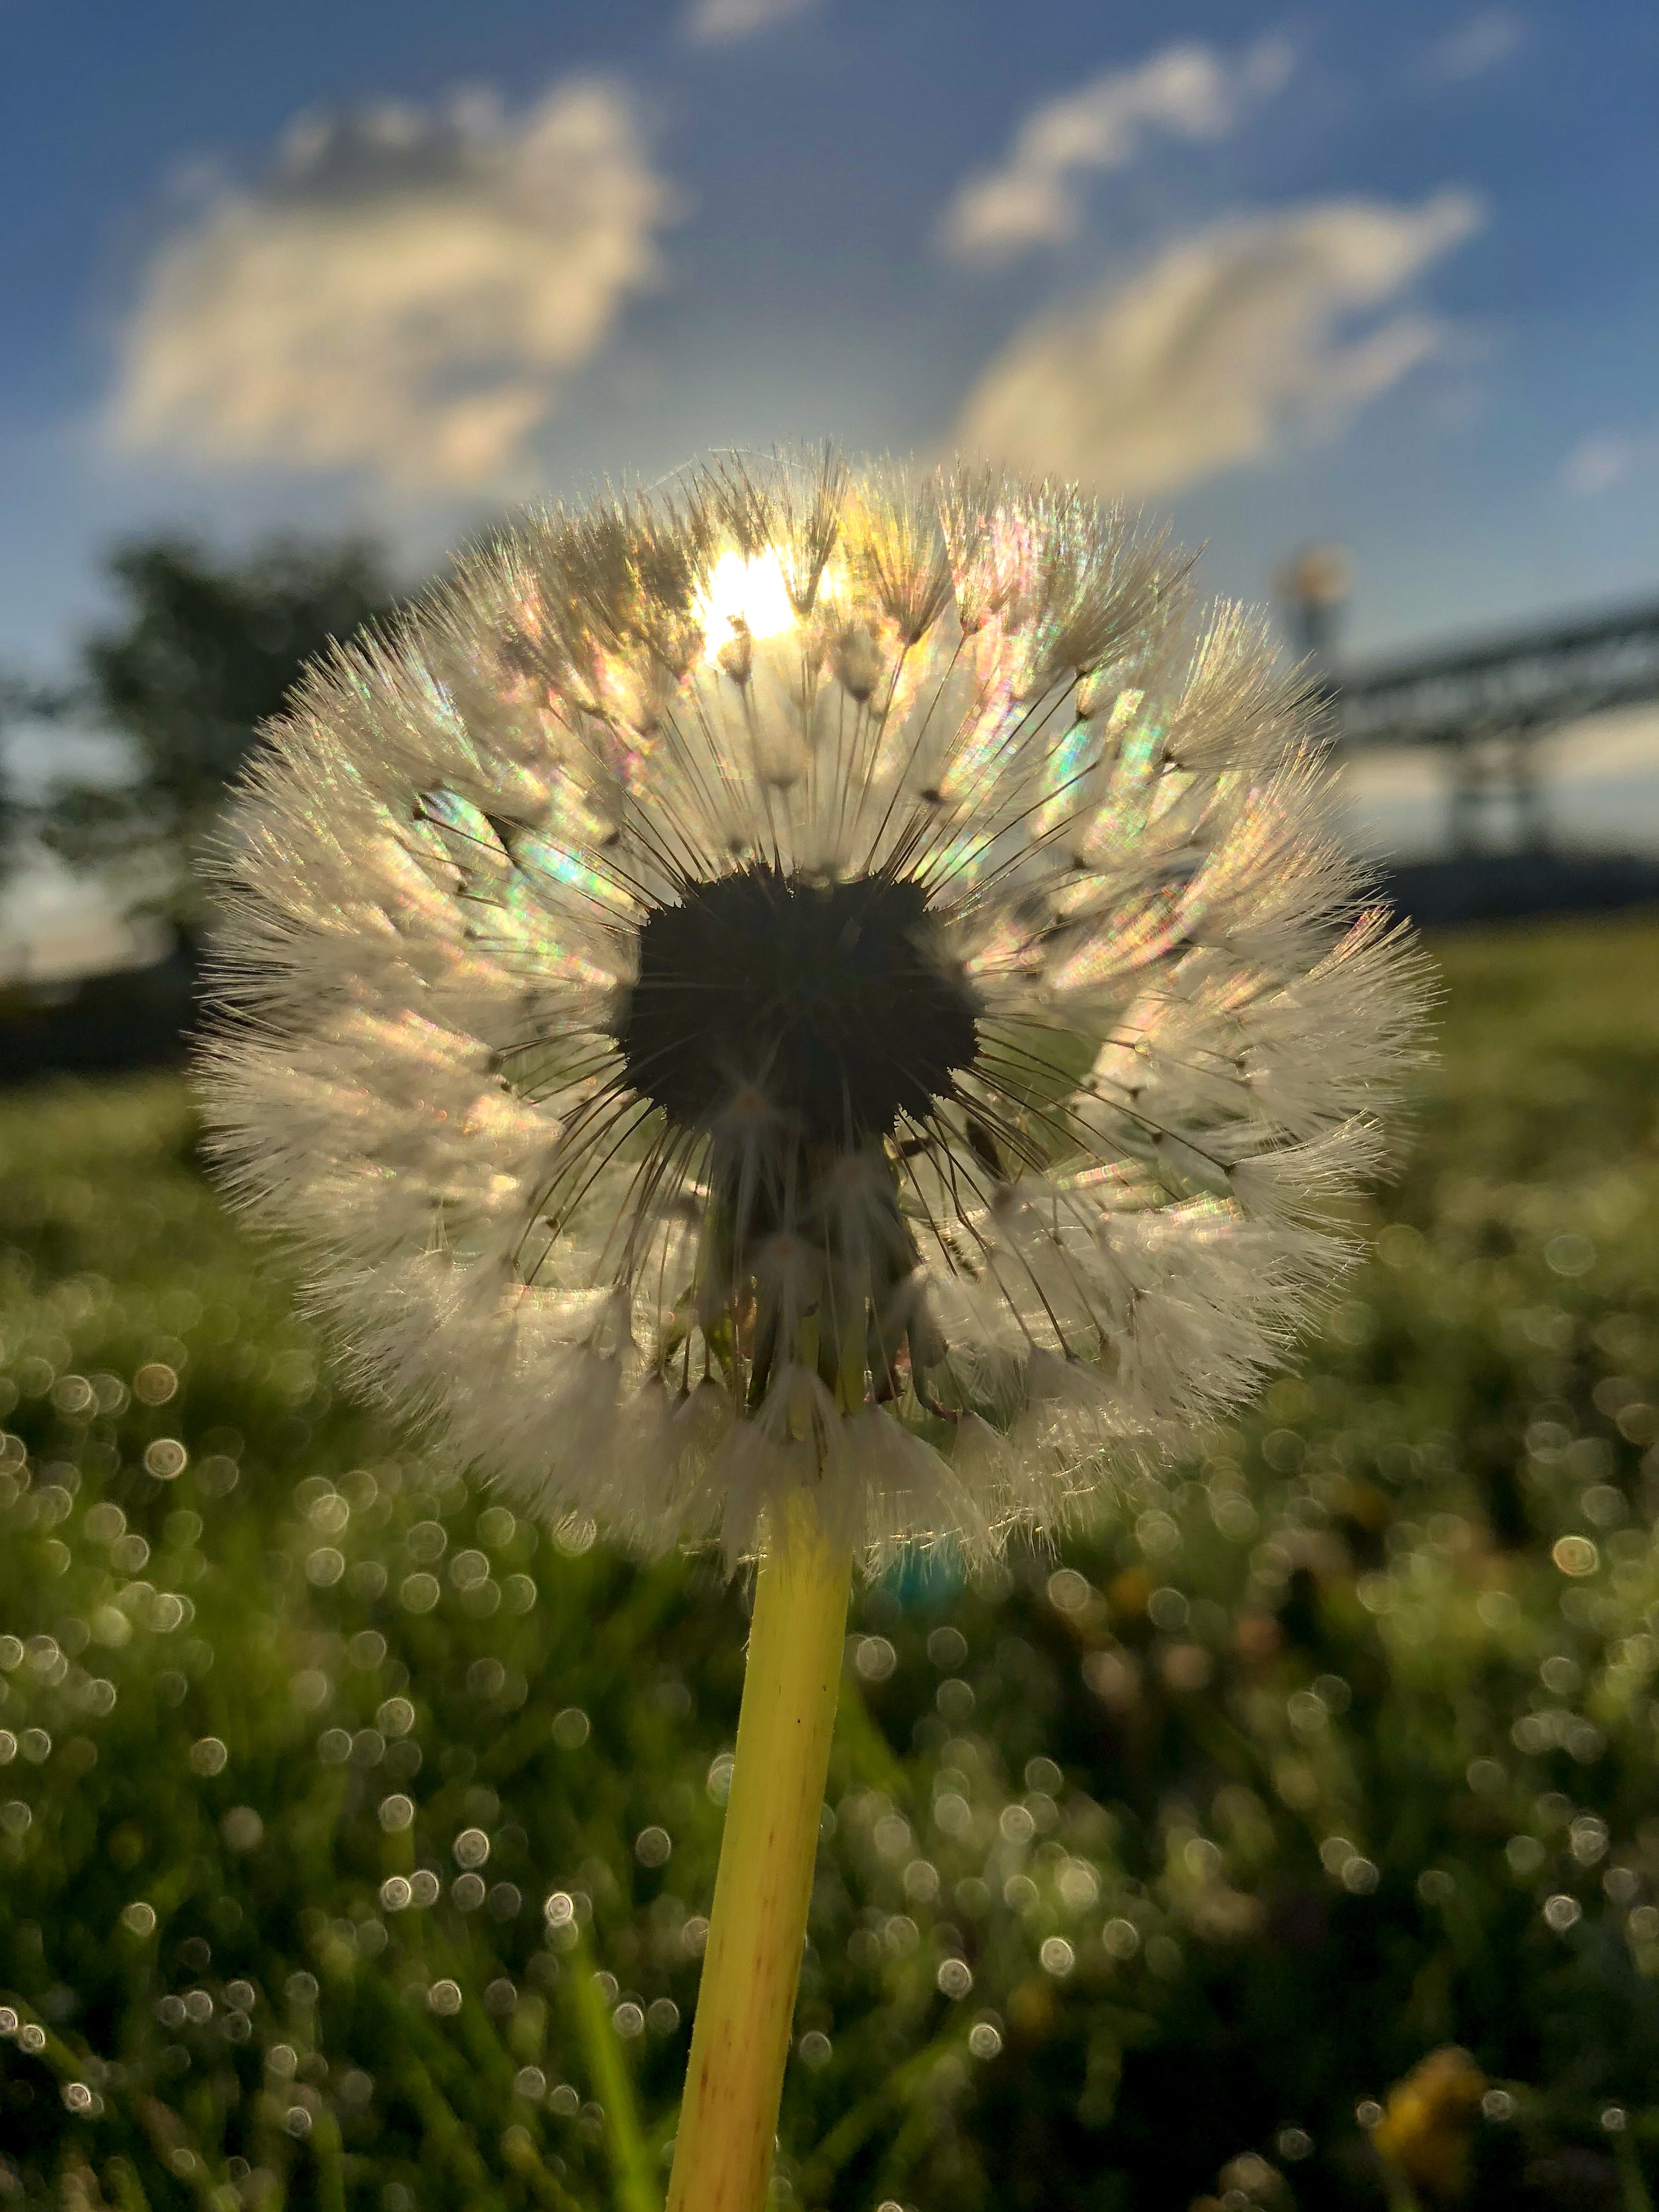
pixel 1488 705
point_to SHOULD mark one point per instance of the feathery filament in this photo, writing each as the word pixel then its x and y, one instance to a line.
pixel 826 978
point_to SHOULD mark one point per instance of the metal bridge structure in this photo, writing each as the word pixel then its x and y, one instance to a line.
pixel 1487 706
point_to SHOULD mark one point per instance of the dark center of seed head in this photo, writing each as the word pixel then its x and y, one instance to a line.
pixel 831 1000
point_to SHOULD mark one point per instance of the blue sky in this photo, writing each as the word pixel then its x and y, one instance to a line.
pixel 1378 272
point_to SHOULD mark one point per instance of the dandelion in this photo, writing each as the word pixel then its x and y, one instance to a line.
pixel 821 1011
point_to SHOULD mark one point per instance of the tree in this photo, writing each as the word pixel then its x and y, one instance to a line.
pixel 23 700
pixel 209 647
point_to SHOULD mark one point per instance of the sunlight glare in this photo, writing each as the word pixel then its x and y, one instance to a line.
pixel 751 592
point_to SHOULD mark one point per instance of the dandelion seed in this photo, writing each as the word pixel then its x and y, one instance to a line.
pixel 814 983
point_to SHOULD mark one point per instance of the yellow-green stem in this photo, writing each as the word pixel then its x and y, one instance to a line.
pixel 758 1928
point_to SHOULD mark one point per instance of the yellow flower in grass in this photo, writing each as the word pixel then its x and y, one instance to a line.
pixel 1428 2122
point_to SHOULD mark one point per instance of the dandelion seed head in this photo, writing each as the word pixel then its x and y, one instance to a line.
pixel 820 979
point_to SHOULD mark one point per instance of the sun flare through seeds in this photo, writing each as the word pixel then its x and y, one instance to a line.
pixel 818 979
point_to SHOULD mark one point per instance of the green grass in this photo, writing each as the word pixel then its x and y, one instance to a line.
pixel 1154 1859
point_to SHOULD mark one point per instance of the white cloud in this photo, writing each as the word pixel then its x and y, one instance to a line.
pixel 1187 91
pixel 717 22
pixel 1483 43
pixel 1607 458
pixel 1226 342
pixel 406 296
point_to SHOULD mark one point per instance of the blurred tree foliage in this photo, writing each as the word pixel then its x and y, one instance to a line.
pixel 206 648
pixel 1287 1842
pixel 23 700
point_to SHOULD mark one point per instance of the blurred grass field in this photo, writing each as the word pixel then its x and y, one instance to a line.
pixel 355 1837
